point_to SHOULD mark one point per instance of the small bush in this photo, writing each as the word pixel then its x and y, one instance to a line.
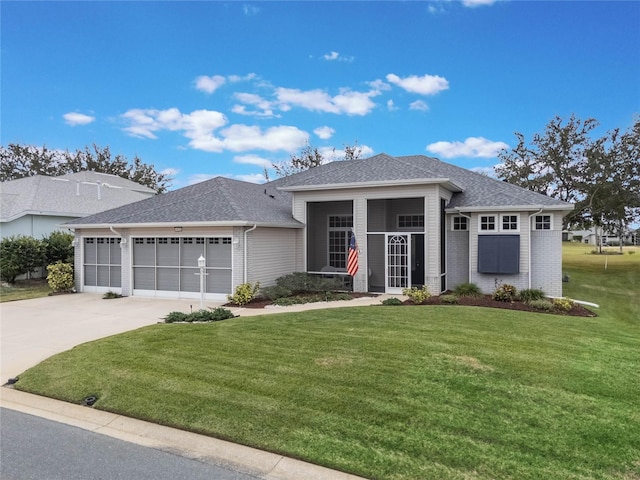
pixel 245 292
pixel 60 277
pixel 562 304
pixel 211 315
pixel 172 317
pixel 275 292
pixel 505 293
pixel 417 295
pixel 449 299
pixel 631 252
pixel 110 295
pixel 530 294
pixel 302 282
pixel 20 255
pixel 392 301
pixel 468 290
pixel 541 304
pixel 58 246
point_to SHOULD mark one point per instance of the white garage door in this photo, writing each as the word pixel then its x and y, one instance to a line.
pixel 102 264
pixel 168 266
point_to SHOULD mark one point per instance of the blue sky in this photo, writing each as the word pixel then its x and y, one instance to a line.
pixel 203 88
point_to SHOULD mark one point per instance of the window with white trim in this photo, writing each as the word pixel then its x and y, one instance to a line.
pixel 510 223
pixel 459 223
pixel 542 222
pixel 340 227
pixel 410 221
pixel 487 223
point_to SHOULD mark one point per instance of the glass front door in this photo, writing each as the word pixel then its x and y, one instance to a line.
pixel 397 262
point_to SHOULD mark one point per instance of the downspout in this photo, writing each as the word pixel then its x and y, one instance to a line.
pixel 530 230
pixel 469 232
pixel 246 249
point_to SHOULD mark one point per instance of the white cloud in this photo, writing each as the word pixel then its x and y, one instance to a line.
pixel 250 10
pixel 331 154
pixel 209 84
pixel 349 102
pixel 333 56
pixel 239 78
pixel 240 138
pixel 477 3
pixel 425 85
pixel 251 178
pixel 198 125
pixel 391 106
pixel 379 85
pixel 252 160
pixel 265 107
pixel 475 147
pixel 74 119
pixel 200 177
pixel 419 105
pixel 324 132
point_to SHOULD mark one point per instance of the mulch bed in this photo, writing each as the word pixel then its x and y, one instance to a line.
pixel 488 301
pixel 483 301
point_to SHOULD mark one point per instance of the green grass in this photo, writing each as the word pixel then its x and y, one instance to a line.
pixel 443 392
pixel 24 290
pixel 613 281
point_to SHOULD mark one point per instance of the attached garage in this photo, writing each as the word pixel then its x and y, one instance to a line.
pixel 168 266
pixel 102 264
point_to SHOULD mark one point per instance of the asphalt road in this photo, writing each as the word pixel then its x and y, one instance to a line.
pixel 35 448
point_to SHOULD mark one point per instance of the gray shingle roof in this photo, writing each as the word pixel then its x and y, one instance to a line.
pixel 217 200
pixel 478 190
pixel 72 195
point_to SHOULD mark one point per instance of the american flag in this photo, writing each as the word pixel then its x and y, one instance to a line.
pixel 352 259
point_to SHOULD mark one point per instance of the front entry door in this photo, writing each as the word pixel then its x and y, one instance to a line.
pixel 397 262
pixel 417 259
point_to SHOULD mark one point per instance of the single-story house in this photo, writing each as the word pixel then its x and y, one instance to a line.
pixel 416 221
pixel 36 206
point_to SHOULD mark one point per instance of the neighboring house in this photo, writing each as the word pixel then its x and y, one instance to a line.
pixel 417 221
pixel 36 206
pixel 596 236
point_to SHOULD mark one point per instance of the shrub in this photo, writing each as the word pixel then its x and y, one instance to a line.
pixel 631 252
pixel 110 295
pixel 58 247
pixel 211 315
pixel 172 317
pixel 275 292
pixel 530 294
pixel 245 292
pixel 60 277
pixel 417 295
pixel 562 304
pixel 468 290
pixel 449 299
pixel 505 293
pixel 20 255
pixel 541 304
pixel 391 301
pixel 302 282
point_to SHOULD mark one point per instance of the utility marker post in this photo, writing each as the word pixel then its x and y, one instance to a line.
pixel 202 262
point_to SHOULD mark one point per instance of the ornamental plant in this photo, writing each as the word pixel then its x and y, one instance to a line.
pixel 505 293
pixel 417 295
pixel 562 304
pixel 60 277
pixel 245 292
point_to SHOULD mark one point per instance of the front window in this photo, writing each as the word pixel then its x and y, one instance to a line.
pixel 487 223
pixel 460 223
pixel 543 222
pixel 510 222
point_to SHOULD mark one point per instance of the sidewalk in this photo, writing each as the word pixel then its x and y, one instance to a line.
pixel 33 330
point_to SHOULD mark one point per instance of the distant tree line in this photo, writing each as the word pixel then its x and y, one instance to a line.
pixel 19 161
pixel 601 176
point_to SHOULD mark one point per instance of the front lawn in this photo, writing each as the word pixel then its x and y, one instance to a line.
pixel 383 392
pixel 24 290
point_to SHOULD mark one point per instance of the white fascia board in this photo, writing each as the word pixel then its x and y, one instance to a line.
pixel 181 224
pixel 381 183
pixel 511 208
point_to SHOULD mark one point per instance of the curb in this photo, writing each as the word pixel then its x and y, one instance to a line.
pixel 248 460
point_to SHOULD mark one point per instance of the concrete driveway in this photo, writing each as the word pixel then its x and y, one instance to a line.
pixel 33 330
